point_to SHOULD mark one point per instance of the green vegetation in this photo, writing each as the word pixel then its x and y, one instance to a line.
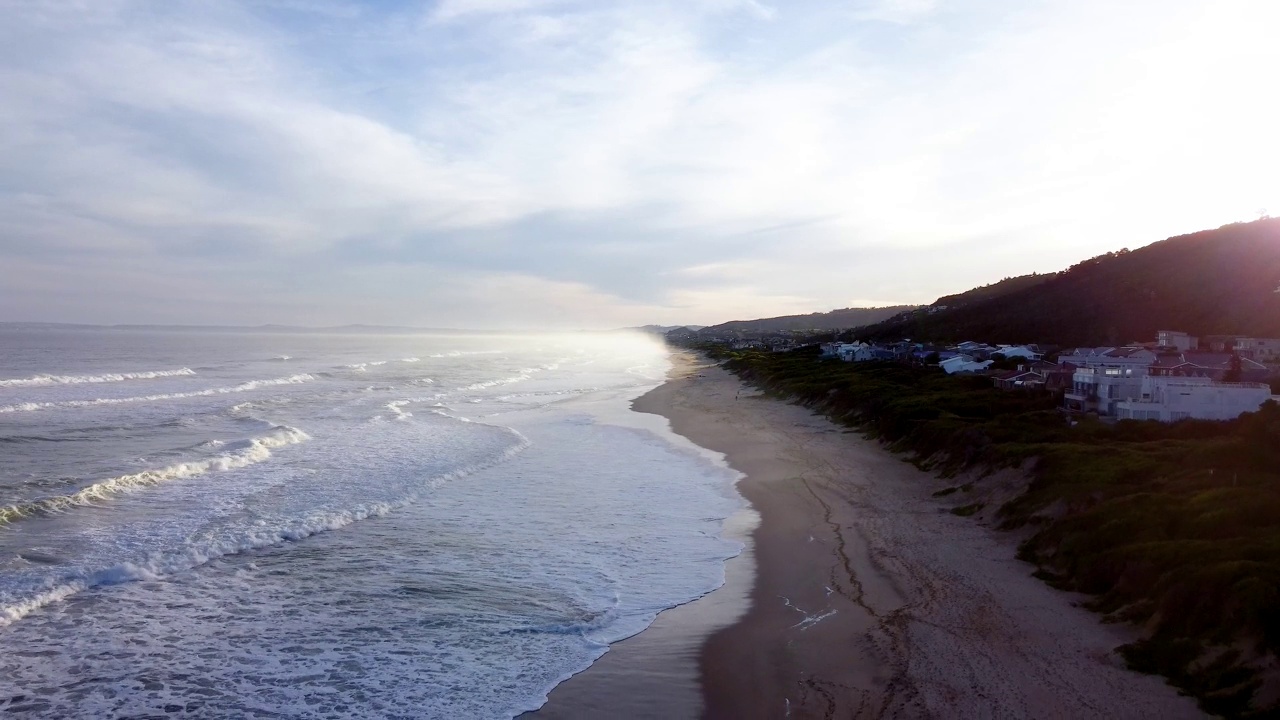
pixel 1173 528
pixel 992 291
pixel 1216 281
pixel 834 320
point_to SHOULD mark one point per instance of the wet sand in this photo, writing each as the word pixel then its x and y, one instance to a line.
pixel 867 597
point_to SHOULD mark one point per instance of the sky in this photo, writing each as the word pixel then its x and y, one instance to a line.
pixel 605 163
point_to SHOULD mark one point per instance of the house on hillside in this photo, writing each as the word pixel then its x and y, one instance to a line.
pixel 1098 389
pixel 1026 377
pixel 1169 399
pixel 1060 378
pixel 1215 366
pixel 857 352
pixel 1177 340
pixel 1265 350
pixel 1017 351
pixel 963 363
pixel 1129 356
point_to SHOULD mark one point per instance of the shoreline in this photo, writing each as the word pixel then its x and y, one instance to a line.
pixel 656 672
pixel 868 598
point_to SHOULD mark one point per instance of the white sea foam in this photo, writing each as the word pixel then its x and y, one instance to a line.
pixel 242 387
pixel 237 539
pixel 395 408
pixel 38 380
pixel 248 452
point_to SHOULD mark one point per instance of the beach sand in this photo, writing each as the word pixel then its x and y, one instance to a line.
pixel 860 595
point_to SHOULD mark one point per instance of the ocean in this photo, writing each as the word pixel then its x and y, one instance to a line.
pixel 255 524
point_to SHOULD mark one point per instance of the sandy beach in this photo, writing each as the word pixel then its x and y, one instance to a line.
pixel 867 597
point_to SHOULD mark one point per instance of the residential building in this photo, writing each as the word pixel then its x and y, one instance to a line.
pixel 1024 378
pixel 857 352
pixel 1265 350
pixel 1130 356
pixel 1215 366
pixel 1018 351
pixel 1032 376
pixel 1169 399
pixel 963 363
pixel 1098 389
pixel 1176 340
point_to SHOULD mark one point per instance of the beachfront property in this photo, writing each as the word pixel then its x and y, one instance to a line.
pixel 1266 350
pixel 1177 340
pixel 860 352
pixel 849 352
pixel 1024 378
pixel 1222 366
pixel 963 363
pixel 1129 356
pixel 1098 389
pixel 1111 381
pixel 1017 351
pixel 1169 399
pixel 1169 380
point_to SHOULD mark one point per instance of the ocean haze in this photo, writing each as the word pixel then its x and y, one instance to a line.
pixel 603 164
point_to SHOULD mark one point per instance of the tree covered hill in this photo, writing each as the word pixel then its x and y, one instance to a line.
pixel 1224 281
pixel 844 319
pixel 994 290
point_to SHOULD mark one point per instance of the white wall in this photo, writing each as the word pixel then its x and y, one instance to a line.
pixel 1170 399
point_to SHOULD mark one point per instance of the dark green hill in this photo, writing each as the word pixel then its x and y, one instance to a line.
pixel 994 290
pixel 844 319
pixel 1224 281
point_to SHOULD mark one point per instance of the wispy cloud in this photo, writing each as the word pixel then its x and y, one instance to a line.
pixel 594 155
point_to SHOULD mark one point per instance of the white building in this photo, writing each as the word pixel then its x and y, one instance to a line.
pixel 1260 349
pixel 850 352
pixel 1175 339
pixel 1101 388
pixel 1169 399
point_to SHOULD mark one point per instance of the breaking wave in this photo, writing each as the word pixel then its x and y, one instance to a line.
pixel 237 540
pixel 242 387
pixel 245 453
pixel 37 380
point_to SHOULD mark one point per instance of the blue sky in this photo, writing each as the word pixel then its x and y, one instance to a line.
pixel 556 163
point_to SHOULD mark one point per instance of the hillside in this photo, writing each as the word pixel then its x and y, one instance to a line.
pixel 1224 281
pixel 845 319
pixel 994 290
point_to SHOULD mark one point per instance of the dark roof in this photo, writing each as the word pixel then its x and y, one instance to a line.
pixel 1208 360
pixel 1015 374
pixel 1122 352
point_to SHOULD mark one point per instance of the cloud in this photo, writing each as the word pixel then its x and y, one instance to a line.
pixel 708 158
pixel 896 11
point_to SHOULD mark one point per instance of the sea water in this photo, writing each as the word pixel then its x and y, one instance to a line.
pixel 255 524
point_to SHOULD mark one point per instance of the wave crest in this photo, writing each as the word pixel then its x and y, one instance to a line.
pixel 37 380
pixel 242 387
pixel 247 452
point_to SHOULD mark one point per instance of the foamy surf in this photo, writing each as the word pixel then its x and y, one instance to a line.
pixel 250 452
pixel 236 540
pixel 38 380
pixel 242 387
pixel 473 600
